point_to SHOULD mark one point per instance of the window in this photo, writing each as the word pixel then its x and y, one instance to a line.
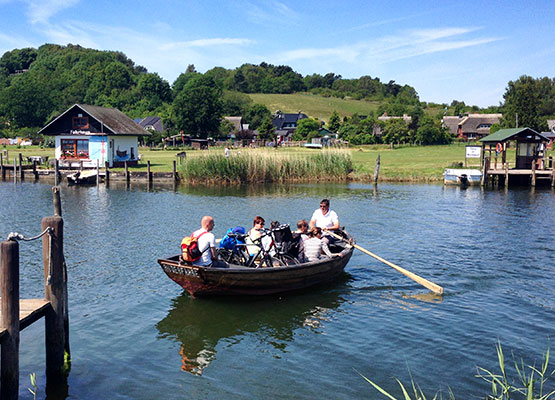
pixel 484 126
pixel 80 123
pixel 75 148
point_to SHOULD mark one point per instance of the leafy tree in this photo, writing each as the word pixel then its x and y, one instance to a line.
pixel 430 131
pixel 235 103
pixel 198 107
pixel 305 127
pixel 529 98
pixel 266 129
pixel 256 114
pixel 395 130
pixel 334 122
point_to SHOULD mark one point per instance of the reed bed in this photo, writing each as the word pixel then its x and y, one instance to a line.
pixel 268 166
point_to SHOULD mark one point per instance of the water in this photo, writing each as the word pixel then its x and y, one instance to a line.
pixel 136 335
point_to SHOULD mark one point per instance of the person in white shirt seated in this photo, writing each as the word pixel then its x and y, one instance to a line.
pixel 325 219
pixel 206 242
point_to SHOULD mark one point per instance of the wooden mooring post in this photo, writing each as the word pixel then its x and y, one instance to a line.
pixel 377 170
pixel 18 313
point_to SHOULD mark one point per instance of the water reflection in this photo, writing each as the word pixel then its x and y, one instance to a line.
pixel 199 325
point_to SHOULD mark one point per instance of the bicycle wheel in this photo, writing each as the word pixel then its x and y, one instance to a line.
pixel 288 260
pixel 225 255
pixel 271 262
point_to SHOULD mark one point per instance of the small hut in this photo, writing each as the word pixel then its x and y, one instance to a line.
pixel 530 154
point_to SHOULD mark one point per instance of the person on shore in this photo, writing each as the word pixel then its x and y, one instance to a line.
pixel 314 246
pixel 206 242
pixel 226 151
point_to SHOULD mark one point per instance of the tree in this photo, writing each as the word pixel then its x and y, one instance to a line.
pixel 235 103
pixel 395 130
pixel 198 107
pixel 305 127
pixel 266 129
pixel 525 97
pixel 430 131
pixel 256 114
pixel 335 122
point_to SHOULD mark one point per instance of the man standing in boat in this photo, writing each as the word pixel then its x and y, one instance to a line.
pixel 206 242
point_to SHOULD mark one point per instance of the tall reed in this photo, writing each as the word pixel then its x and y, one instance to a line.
pixel 263 165
pixel 530 383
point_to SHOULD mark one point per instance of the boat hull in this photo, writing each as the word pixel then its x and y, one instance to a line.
pixel 240 280
pixel 463 177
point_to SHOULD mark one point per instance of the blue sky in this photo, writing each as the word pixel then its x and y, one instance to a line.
pixel 466 50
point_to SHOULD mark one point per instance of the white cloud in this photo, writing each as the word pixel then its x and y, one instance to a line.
pixel 207 43
pixel 391 48
pixel 40 11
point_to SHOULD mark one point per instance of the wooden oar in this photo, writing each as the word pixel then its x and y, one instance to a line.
pixel 424 282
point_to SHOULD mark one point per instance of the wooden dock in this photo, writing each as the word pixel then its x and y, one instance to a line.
pixel 30 310
pixel 17 314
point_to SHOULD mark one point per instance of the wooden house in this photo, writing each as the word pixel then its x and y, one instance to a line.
pixel 86 135
pixel 472 126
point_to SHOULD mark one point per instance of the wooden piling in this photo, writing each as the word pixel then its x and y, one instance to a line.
pixel 14 170
pixel 175 177
pixel 56 173
pixel 97 172
pixel 53 259
pixel 126 171
pixel 35 173
pixel 57 201
pixel 533 183
pixel 10 319
pixel 3 171
pixel 148 173
pixel 485 171
pixel 553 174
pixel 377 170
pixel 107 170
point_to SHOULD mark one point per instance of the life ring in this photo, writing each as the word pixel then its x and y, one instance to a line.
pixel 499 148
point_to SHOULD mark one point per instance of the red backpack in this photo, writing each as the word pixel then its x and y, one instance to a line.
pixel 189 248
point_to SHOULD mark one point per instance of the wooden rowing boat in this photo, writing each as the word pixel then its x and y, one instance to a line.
pixel 239 280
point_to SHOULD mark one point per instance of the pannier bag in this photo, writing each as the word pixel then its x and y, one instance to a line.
pixel 229 242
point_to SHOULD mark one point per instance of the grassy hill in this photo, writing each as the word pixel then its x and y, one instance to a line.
pixel 313 105
pixel 321 107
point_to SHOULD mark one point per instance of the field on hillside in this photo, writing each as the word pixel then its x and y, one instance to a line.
pixel 320 107
pixel 314 106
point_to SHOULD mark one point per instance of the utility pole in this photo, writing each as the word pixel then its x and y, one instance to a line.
pixel 516 116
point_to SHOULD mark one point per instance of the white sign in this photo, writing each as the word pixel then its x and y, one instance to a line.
pixel 473 151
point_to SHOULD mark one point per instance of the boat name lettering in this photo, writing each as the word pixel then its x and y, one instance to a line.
pixel 182 271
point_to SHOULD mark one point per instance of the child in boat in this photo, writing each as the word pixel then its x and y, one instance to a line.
pixel 314 245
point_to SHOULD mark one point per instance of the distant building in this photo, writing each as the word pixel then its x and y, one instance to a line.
pixel 286 124
pixel 472 126
pixel 87 134
pixel 385 117
pixel 151 123
pixel 237 123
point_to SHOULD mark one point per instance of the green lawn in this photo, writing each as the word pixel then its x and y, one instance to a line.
pixel 405 163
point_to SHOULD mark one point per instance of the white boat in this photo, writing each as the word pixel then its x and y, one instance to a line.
pixel 463 177
pixel 84 177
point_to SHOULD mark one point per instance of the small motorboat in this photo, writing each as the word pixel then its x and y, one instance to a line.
pixel 462 177
pixel 83 177
pixel 231 279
